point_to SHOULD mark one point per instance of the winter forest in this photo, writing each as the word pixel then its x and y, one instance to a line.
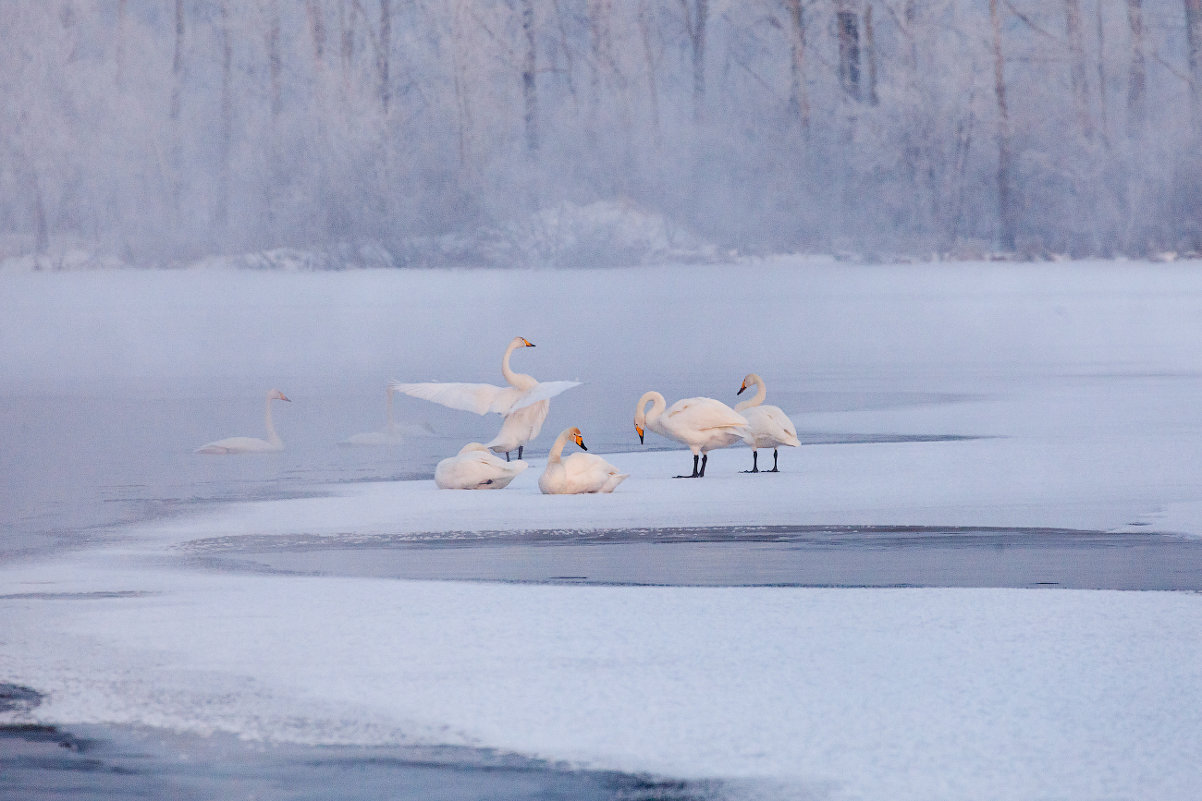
pixel 161 130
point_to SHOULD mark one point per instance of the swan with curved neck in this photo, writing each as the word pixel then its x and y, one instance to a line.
pixel 476 467
pixel 272 444
pixel 579 473
pixel 523 404
pixel 701 423
pixel 394 433
pixel 768 426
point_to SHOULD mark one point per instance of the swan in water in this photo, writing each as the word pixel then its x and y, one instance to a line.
pixel 768 426
pixel 272 444
pixel 476 467
pixel 392 434
pixel 580 472
pixel 701 423
pixel 523 404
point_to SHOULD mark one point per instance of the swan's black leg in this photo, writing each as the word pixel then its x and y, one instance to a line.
pixel 774 470
pixel 755 467
pixel 695 473
pixel 704 458
pixel 519 451
pixel 507 456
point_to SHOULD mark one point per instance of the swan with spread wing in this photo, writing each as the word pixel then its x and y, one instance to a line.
pixel 523 404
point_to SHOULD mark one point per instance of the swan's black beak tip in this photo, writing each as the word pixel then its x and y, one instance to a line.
pixel 740 392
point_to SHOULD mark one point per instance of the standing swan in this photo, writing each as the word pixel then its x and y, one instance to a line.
pixel 251 444
pixel 524 403
pixel 768 426
pixel 701 423
pixel 580 472
pixel 475 467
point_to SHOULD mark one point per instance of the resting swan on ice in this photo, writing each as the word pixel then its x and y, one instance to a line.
pixel 272 444
pixel 524 403
pixel 701 423
pixel 768 426
pixel 580 472
pixel 475 467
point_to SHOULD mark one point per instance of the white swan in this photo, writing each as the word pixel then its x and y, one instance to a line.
pixel 475 467
pixel 393 433
pixel 768 426
pixel 580 472
pixel 701 423
pixel 251 444
pixel 524 403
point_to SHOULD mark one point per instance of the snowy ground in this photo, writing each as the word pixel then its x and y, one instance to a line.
pixel 949 395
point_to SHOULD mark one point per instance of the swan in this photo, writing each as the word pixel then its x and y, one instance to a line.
pixel 580 472
pixel 272 444
pixel 524 403
pixel 768 426
pixel 701 423
pixel 475 467
pixel 393 432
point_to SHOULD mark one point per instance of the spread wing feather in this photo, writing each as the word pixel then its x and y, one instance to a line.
pixel 482 398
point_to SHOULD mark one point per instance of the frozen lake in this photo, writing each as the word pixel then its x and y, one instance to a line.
pixel 978 440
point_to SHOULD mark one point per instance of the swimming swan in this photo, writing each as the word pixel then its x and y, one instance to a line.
pixel 580 472
pixel 701 423
pixel 524 403
pixel 475 467
pixel 768 426
pixel 393 433
pixel 272 444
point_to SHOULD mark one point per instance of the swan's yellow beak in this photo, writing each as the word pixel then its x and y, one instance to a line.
pixel 284 397
pixel 740 392
pixel 527 342
pixel 580 441
pixel 640 430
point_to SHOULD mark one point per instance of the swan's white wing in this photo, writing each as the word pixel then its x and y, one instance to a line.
pixel 543 391
pixel 478 398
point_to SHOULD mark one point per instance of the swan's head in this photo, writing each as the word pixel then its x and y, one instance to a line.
pixel 275 394
pixel 522 342
pixel 578 438
pixel 750 381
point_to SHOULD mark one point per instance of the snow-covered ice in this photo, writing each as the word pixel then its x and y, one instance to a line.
pixel 947 395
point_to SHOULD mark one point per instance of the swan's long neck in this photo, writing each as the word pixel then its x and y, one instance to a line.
pixel 506 371
pixel 272 437
pixel 556 454
pixel 644 418
pixel 761 392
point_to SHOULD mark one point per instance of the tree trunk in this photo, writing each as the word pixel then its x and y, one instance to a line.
pixel 870 46
pixel 649 61
pixel 847 25
pixel 275 60
pixel 799 101
pixel 1005 197
pixel 695 20
pixel 177 62
pixel 529 88
pixel 227 120
pixel 1193 34
pixel 1137 74
pixel 317 31
pixel 384 57
pixel 40 226
pixel 1076 54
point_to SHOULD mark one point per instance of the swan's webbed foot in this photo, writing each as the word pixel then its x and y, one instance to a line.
pixel 755 466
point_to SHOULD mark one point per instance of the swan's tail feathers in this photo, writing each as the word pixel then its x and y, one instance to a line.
pixel 478 398
pixel 792 441
pixel 544 391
